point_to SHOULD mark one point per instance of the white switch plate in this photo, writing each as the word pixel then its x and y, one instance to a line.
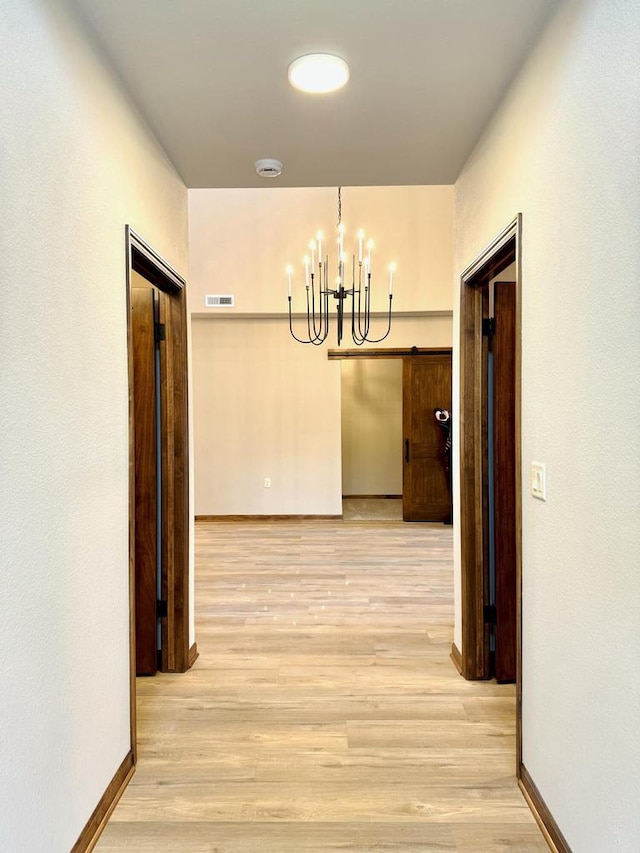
pixel 267 482
pixel 539 481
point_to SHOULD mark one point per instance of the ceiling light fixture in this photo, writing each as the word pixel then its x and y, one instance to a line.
pixel 317 288
pixel 318 73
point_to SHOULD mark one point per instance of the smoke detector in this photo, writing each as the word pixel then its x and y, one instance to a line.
pixel 268 168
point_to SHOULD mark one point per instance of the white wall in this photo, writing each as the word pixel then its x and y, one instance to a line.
pixel 264 406
pixel 242 240
pixel 76 163
pixel 372 426
pixel 563 149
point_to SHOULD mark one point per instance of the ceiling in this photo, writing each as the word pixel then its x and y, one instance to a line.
pixel 210 77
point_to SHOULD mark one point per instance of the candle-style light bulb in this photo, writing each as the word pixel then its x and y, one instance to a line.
pixel 319 238
pixel 289 271
pixel 392 269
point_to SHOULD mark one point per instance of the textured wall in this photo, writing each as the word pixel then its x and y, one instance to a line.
pixel 260 399
pixel 372 427
pixel 563 150
pixel 76 165
pixel 264 406
pixel 242 240
pixel 240 243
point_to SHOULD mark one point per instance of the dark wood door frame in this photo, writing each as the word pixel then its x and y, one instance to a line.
pixel 474 656
pixel 176 654
pixel 389 352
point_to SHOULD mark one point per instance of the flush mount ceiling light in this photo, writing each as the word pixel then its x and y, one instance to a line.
pixel 318 73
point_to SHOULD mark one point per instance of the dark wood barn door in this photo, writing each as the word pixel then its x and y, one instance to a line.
pixel 426 386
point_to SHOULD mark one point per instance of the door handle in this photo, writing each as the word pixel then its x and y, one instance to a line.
pixel 406 450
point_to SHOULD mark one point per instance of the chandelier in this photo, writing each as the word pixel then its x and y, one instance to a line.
pixel 318 289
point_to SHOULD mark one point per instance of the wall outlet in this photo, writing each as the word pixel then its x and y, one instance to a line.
pixel 267 482
pixel 538 481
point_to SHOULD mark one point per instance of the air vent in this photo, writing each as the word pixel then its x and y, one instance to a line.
pixel 216 301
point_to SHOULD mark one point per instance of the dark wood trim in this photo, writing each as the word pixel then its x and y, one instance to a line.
pixel 471 482
pixel 372 497
pixel 390 352
pixel 108 801
pixel 143 259
pixel 550 829
pixel 175 469
pixel 194 654
pixel 505 249
pixel 132 514
pixel 268 517
pixel 146 261
pixel 456 657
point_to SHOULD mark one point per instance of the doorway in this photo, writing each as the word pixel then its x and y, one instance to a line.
pixel 394 450
pixel 490 463
pixel 158 466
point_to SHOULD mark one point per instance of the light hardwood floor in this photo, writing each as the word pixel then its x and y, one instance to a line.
pixel 324 713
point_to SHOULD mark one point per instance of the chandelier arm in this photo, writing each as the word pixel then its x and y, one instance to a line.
pixel 386 334
pixel 314 338
pixel 362 317
pixel 308 317
pixel 293 334
pixel 356 334
pixel 357 295
pixel 316 331
pixel 323 311
pixel 325 294
pixel 317 317
pixel 367 310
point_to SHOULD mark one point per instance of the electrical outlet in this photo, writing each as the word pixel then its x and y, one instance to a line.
pixel 267 482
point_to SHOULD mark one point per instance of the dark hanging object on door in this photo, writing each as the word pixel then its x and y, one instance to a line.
pixel 443 419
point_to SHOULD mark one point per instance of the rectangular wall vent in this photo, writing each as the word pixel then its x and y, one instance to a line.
pixel 217 301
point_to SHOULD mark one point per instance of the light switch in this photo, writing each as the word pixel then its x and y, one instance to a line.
pixel 538 481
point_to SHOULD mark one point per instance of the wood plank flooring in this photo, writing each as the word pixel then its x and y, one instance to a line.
pixel 323 713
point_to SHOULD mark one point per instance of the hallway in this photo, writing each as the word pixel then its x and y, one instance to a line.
pixel 324 712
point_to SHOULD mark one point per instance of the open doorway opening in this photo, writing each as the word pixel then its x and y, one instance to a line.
pixel 490 463
pixel 158 466
pixel 371 394
pixel 395 452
